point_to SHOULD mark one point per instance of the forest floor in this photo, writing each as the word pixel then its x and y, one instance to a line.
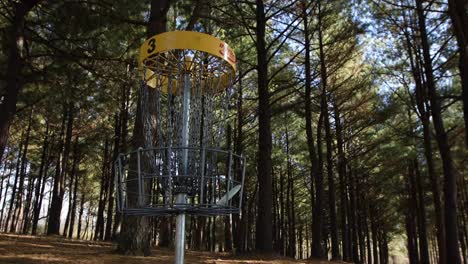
pixel 40 249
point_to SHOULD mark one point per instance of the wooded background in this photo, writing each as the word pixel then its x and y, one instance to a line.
pixel 352 115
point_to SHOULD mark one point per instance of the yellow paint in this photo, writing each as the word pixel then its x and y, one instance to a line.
pixel 187 40
pixel 184 40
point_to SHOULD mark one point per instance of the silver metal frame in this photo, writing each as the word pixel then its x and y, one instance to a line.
pixel 185 178
pixel 214 183
pixel 201 206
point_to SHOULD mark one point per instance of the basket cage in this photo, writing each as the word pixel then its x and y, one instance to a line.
pixel 214 184
pixel 184 101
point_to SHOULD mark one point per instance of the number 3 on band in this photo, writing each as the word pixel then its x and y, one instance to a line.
pixel 152 45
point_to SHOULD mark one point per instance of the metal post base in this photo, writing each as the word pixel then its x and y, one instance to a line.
pixel 180 232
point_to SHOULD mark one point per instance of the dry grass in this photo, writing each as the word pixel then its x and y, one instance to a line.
pixel 39 249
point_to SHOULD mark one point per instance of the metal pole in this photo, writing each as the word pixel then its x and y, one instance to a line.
pixel 242 184
pixel 140 180
pixel 169 147
pixel 228 183
pixel 180 232
pixel 181 198
pixel 202 181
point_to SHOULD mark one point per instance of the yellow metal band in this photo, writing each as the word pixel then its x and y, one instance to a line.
pixel 186 40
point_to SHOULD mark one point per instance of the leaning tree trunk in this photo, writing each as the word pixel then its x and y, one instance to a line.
pixel 422 106
pixel 15 64
pixel 458 14
pixel 450 177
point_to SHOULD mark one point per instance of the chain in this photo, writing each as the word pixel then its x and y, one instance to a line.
pixel 161 114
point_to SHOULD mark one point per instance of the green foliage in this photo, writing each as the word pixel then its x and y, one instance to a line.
pixel 84 53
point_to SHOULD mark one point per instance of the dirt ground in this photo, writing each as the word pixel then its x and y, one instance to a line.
pixel 40 249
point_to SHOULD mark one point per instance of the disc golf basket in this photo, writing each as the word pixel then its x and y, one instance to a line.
pixel 182 167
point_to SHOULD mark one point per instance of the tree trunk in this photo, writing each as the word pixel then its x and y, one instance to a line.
pixel 7 184
pixel 424 114
pixel 410 226
pixel 134 239
pixel 99 231
pixel 264 239
pixel 13 188
pixel 283 207
pixel 361 239
pixel 375 253
pixel 353 216
pixel 80 214
pixel 239 219
pixel 71 198
pixel 309 129
pixel 227 218
pixel 15 64
pixel 342 175
pixel 85 234
pixel 41 178
pixel 275 212
pixel 22 175
pixel 110 206
pixel 2 178
pixel 212 236
pixel 53 227
pixel 331 187
pixel 26 223
pixel 383 246
pixel 124 108
pixel 290 203
pixel 368 237
pixel 450 177
pixel 423 245
pixel 317 220
pixel 463 203
pixel 458 14
pixel 361 200
pixel 75 172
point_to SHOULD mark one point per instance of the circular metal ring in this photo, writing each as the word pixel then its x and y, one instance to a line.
pixel 187 40
pixel 159 54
